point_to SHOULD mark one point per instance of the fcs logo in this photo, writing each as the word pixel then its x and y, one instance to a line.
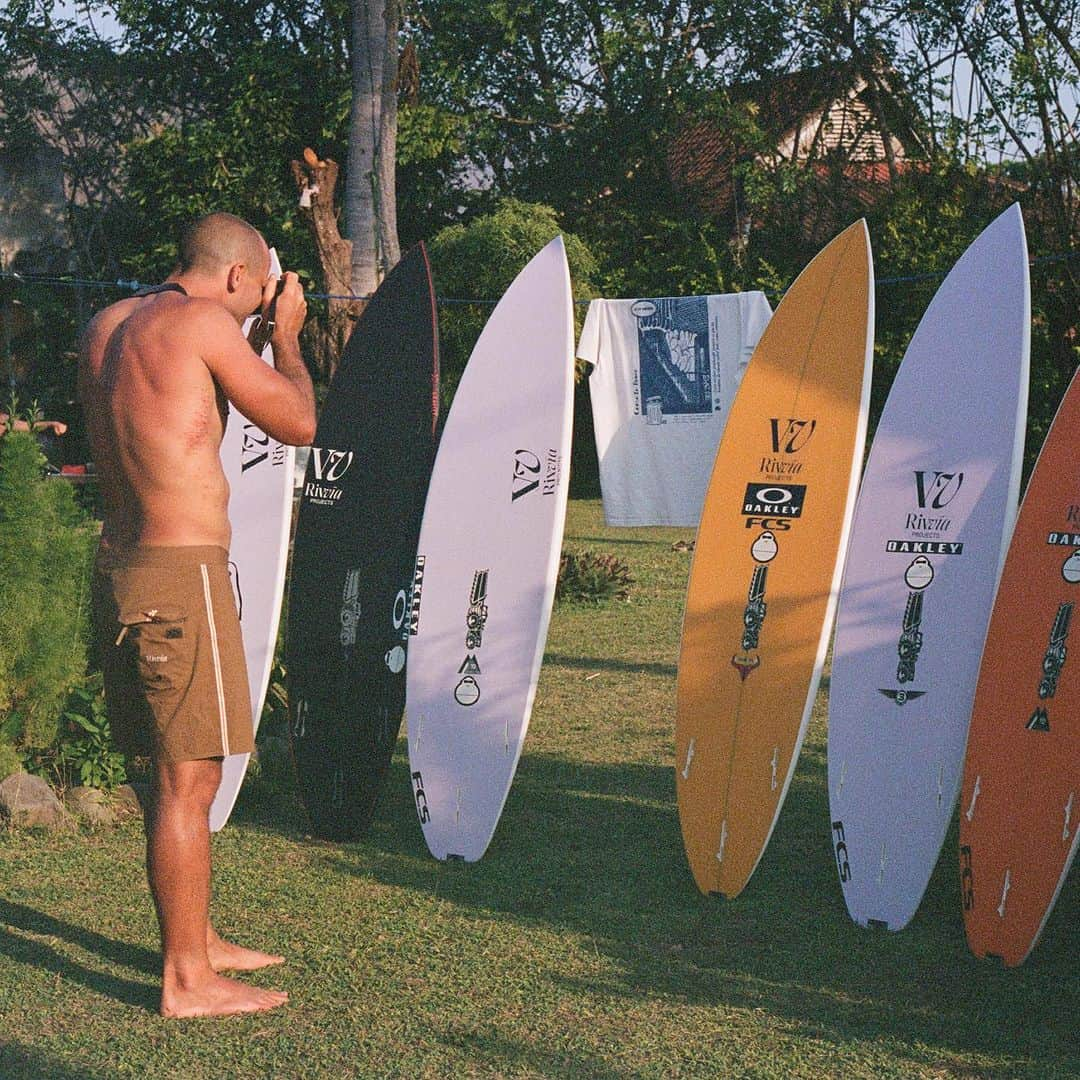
pixel 942 488
pixel 791 435
pixel 840 844
pixel 421 799
pixel 526 474
pixel 330 465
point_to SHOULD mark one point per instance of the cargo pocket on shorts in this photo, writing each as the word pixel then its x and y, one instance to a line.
pixel 162 643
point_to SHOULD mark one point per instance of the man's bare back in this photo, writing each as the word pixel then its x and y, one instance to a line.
pixel 156 374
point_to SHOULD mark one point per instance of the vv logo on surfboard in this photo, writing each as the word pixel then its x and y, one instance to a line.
pixel 531 474
pixel 255 448
pixel 329 466
pixel 790 436
pixel 787 436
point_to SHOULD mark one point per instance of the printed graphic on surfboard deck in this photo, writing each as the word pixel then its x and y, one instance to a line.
pixel 259 473
pixel 1020 799
pixel 934 514
pixel 352 601
pixel 766 565
pixel 489 555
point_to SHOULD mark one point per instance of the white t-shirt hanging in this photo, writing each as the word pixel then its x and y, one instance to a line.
pixel 665 373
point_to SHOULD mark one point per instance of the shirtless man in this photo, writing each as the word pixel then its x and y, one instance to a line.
pixel 156 373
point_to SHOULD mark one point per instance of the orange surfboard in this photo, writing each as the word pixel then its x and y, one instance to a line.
pixel 1020 800
pixel 768 561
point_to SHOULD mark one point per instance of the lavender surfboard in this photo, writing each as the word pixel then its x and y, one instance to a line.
pixel 933 520
pixel 488 559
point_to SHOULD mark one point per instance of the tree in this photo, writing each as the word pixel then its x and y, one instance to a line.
pixel 371 195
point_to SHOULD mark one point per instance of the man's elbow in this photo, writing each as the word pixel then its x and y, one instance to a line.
pixel 303 431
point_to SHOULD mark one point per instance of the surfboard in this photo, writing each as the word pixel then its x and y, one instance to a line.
pixel 354 553
pixel 1020 799
pixel 259 473
pixel 932 522
pixel 767 563
pixel 488 559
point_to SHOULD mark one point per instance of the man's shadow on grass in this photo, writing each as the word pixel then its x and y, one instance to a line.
pixel 20 917
pixel 18 1062
pixel 38 954
pixel 595 850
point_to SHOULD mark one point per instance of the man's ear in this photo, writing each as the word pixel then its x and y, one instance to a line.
pixel 236 276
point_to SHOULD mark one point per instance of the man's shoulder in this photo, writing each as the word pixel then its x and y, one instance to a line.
pixel 106 320
pixel 193 320
pixel 200 313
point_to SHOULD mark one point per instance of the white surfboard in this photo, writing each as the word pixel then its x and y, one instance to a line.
pixel 260 475
pixel 933 520
pixel 488 559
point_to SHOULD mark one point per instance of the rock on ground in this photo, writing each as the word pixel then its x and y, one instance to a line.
pixel 91 804
pixel 27 801
pixel 131 799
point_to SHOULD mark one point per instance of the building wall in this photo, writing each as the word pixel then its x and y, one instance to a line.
pixel 33 232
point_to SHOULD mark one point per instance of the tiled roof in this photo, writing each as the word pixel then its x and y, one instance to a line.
pixel 703 154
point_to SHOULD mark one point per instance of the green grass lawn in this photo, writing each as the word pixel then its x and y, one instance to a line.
pixel 577 947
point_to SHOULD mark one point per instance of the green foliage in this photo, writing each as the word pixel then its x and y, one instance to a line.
pixel 480 260
pixel 432 187
pixel 83 752
pixel 46 546
pixel 221 163
pixel 590 578
pixel 275 713
pixel 11 760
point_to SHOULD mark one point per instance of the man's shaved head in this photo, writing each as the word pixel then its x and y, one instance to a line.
pixel 219 240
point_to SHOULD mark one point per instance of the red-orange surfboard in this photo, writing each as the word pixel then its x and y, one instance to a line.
pixel 767 563
pixel 1020 801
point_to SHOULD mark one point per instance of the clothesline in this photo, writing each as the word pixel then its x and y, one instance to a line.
pixel 66 281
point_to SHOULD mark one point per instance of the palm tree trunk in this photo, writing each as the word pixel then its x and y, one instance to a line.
pixel 370 197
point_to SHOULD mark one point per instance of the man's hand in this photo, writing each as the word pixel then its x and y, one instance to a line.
pixel 291 310
pixel 57 427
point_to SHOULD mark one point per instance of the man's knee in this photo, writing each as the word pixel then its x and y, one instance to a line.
pixel 193 783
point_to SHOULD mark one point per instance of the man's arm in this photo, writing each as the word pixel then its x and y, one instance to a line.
pixel 57 427
pixel 280 400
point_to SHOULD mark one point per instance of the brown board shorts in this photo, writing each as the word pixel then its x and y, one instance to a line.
pixel 168 639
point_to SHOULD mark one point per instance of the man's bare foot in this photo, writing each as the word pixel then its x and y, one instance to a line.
pixel 225 956
pixel 217 996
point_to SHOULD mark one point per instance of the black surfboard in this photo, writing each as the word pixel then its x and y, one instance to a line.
pixel 355 553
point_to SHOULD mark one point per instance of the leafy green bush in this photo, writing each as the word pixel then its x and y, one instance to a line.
pixel 480 260
pixel 46 546
pixel 592 579
pixel 83 752
pixel 10 760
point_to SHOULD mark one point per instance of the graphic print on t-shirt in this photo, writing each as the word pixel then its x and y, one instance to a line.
pixel 673 356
